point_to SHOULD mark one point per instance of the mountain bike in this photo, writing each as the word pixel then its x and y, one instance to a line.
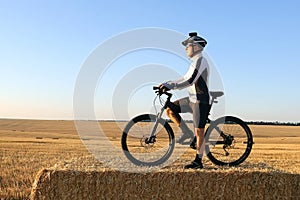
pixel 148 140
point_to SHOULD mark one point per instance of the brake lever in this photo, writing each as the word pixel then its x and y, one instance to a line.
pixel 159 92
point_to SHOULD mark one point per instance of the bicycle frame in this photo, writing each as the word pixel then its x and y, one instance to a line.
pixel 167 105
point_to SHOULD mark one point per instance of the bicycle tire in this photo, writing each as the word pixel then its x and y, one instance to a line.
pixel 134 133
pixel 229 126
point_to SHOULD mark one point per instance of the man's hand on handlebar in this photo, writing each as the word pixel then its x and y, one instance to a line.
pixel 163 88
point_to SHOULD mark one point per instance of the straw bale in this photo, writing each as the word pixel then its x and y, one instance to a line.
pixel 181 184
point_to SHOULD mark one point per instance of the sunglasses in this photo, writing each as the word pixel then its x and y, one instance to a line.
pixel 189 44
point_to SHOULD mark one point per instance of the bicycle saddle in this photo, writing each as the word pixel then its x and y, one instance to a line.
pixel 216 94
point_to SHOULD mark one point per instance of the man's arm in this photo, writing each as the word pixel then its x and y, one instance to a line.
pixel 189 79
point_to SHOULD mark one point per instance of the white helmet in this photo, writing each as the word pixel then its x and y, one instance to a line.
pixel 195 39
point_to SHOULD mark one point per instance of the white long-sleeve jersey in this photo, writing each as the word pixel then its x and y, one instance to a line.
pixel 196 79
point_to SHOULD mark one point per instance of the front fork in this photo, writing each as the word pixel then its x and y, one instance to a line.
pixel 152 137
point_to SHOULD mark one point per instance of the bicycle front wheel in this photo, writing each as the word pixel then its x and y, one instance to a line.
pixel 228 141
pixel 143 150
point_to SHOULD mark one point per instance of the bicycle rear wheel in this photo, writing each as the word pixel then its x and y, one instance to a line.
pixel 228 141
pixel 142 150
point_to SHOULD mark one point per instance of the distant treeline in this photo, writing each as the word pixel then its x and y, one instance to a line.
pixel 248 122
pixel 265 123
pixel 274 123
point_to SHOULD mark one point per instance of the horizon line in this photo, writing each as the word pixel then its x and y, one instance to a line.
pixel 126 120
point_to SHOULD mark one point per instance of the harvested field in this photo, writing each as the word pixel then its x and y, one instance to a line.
pixel 27 146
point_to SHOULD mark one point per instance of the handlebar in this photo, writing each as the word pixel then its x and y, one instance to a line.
pixel 160 92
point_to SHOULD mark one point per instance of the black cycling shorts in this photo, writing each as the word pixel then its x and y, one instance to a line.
pixel 199 110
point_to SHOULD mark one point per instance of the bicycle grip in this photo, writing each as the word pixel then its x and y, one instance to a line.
pixel 155 88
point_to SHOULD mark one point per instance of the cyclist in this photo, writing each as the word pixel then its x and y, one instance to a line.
pixel 196 79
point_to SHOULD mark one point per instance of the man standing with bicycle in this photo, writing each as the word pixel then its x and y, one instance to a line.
pixel 195 80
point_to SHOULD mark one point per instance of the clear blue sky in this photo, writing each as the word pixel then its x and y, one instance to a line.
pixel 255 46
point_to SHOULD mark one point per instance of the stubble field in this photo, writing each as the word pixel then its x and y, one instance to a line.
pixel 26 146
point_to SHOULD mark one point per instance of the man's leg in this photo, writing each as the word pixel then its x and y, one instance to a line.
pixel 199 132
pixel 172 116
pixel 200 115
pixel 180 106
pixel 175 117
